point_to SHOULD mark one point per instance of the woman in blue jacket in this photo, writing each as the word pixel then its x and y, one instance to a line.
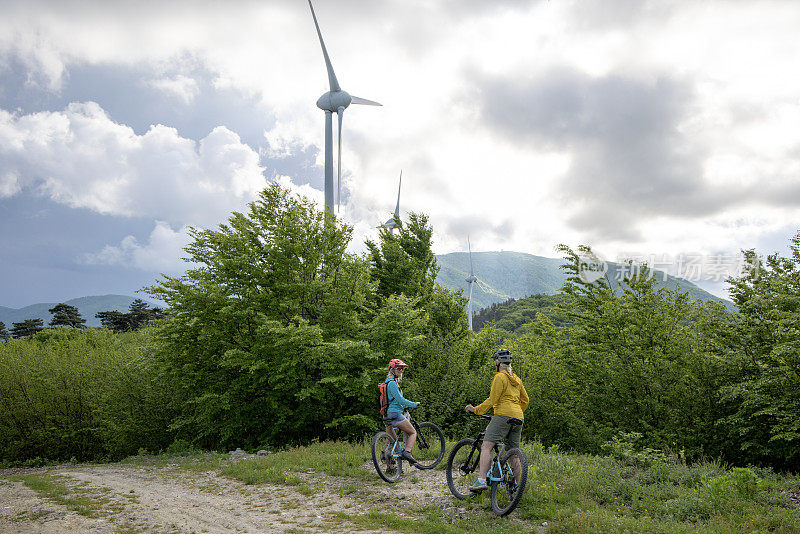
pixel 397 405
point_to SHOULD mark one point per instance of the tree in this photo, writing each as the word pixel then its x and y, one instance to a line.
pixel 635 355
pixel 138 315
pixel 261 344
pixel 763 351
pixel 66 315
pixel 4 335
pixel 113 320
pixel 26 328
pixel 404 264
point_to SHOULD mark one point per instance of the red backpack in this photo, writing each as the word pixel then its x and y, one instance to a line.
pixel 383 397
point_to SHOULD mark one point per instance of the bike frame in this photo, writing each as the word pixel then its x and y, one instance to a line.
pixel 494 466
pixel 420 438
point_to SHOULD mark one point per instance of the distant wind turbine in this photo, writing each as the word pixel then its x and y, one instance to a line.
pixel 334 101
pixel 391 224
pixel 471 279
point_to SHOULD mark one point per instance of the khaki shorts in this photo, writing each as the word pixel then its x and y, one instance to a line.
pixel 498 430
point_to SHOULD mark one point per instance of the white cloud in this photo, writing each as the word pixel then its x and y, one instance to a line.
pixel 80 157
pixel 180 87
pixel 162 253
pixel 9 184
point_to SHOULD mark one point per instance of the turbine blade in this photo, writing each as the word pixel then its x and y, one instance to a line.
pixel 362 101
pixel 334 83
pixel 397 209
pixel 339 161
pixel 471 273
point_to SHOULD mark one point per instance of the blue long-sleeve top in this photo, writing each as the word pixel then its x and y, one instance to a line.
pixel 397 403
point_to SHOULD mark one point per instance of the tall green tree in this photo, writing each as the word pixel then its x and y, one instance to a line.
pixel 66 315
pixel 764 359
pixel 404 263
pixel 4 335
pixel 113 320
pixel 261 343
pixel 26 328
pixel 634 355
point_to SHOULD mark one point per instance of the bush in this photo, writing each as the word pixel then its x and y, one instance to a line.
pixel 623 447
pixel 740 483
pixel 84 394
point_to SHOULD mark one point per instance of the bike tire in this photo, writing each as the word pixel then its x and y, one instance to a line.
pixel 389 469
pixel 461 475
pixel 506 494
pixel 428 450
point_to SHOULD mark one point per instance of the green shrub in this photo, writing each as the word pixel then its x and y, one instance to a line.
pixel 80 394
pixel 623 447
pixel 741 483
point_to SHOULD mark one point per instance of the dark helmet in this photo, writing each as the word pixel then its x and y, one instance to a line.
pixel 502 356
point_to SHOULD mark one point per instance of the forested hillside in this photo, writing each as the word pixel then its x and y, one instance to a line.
pixel 515 275
pixel 514 314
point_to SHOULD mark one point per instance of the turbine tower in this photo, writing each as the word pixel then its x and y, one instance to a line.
pixel 391 224
pixel 334 101
pixel 471 279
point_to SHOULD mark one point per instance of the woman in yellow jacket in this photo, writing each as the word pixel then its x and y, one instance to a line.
pixel 509 399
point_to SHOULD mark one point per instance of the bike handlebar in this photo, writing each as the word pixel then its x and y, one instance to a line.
pixel 473 414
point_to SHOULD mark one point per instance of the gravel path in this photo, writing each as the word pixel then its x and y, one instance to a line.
pixel 170 499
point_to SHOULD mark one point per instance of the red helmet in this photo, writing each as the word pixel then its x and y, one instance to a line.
pixel 397 363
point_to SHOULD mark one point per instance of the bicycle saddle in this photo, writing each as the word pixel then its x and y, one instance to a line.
pixel 514 421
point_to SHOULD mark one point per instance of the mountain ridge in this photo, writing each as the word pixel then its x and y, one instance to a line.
pixel 87 306
pixel 503 275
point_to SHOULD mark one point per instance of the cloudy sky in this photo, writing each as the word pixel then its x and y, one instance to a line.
pixel 662 130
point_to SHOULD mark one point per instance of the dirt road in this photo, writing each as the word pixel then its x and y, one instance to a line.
pixel 131 498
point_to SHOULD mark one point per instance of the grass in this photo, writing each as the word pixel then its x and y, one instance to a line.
pixel 88 502
pixel 432 520
pixel 572 493
pixel 195 461
pixel 581 493
pixel 341 459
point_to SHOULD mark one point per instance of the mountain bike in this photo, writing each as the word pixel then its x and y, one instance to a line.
pixel 507 476
pixel 387 449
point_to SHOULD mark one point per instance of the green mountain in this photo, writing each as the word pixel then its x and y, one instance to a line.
pixel 507 275
pixel 87 306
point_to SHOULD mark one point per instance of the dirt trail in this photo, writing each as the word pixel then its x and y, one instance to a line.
pixel 169 499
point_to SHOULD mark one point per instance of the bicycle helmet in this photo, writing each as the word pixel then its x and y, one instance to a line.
pixel 502 356
pixel 395 363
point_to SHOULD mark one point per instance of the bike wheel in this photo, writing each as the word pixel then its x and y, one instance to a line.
pixel 461 470
pixel 507 493
pixel 388 467
pixel 429 448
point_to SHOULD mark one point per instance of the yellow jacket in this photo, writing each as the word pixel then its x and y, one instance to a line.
pixel 507 396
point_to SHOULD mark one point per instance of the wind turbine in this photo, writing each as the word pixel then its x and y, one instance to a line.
pixel 471 279
pixel 334 101
pixel 391 224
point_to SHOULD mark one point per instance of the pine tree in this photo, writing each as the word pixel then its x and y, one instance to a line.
pixel 138 314
pixel 26 328
pixel 113 320
pixel 3 332
pixel 66 315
